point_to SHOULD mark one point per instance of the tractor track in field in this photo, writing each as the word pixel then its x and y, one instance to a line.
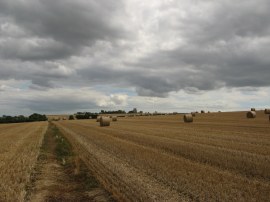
pixel 59 175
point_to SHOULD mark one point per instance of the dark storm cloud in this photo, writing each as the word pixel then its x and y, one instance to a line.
pixel 57 29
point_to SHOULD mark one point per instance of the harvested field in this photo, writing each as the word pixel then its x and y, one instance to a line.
pixel 19 148
pixel 219 157
pixel 55 181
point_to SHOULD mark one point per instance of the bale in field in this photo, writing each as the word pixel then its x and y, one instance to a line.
pixel 267 111
pixel 98 118
pixel 202 111
pixel 114 118
pixel 193 114
pixel 188 118
pixel 105 121
pixel 252 109
pixel 251 114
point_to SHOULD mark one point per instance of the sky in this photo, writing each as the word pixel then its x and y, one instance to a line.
pixel 67 56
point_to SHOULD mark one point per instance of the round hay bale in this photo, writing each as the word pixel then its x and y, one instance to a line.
pixel 114 118
pixel 251 114
pixel 98 118
pixel 188 118
pixel 252 109
pixel 105 121
pixel 267 111
pixel 193 114
pixel 202 111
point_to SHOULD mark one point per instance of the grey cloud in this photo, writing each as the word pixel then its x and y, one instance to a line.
pixel 156 85
pixel 228 19
pixel 63 27
pixel 66 100
pixel 40 83
pixel 228 48
pixel 59 105
pixel 32 50
pixel 43 75
pixel 150 92
pixel 203 70
pixel 224 46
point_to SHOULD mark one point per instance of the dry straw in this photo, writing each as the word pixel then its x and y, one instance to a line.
pixel 188 118
pixel 251 114
pixel 114 118
pixel 193 114
pixel 105 121
pixel 98 118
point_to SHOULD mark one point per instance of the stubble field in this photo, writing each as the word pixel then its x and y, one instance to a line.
pixel 218 157
pixel 19 149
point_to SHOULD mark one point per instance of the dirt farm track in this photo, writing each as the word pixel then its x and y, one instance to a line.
pixel 219 157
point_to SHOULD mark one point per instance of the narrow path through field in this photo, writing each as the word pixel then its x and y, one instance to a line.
pixel 60 176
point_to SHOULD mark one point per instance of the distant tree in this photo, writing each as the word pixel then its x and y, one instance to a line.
pixel 71 117
pixel 37 117
pixel 21 118
pixel 113 112
pixel 80 116
pixel 94 116
pixel 86 115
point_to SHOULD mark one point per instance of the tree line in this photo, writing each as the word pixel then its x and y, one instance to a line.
pixel 84 115
pixel 21 118
pixel 91 115
pixel 112 112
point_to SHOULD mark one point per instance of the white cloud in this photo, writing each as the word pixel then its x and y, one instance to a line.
pixel 119 99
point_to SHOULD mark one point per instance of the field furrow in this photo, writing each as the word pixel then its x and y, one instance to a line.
pixel 124 181
pixel 192 170
pixel 247 164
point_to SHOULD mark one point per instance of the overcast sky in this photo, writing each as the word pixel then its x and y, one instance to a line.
pixel 66 56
